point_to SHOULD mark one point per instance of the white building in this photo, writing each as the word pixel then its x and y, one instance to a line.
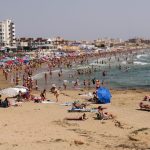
pixel 7 33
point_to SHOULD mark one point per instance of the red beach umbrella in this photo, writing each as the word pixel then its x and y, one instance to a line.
pixel 10 62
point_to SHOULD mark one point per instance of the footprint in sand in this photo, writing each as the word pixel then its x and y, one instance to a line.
pixel 84 133
pixel 137 139
pixel 64 123
pixel 121 125
pixel 142 134
pixel 51 140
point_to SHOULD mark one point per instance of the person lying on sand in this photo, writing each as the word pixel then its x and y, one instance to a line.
pixel 101 115
pixel 144 106
pixel 77 105
pixel 146 98
pixel 83 117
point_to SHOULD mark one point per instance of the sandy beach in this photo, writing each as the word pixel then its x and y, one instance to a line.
pixel 74 75
pixel 42 126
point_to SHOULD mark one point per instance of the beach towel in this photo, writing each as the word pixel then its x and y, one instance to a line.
pixel 17 104
pixel 79 110
pixel 48 102
pixel 87 95
pixel 36 98
pixel 66 104
pixel 94 110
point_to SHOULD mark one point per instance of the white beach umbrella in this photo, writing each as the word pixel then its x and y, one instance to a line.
pixel 20 86
pixel 23 90
pixel 11 92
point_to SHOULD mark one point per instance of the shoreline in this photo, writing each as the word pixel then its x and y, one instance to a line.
pixel 92 59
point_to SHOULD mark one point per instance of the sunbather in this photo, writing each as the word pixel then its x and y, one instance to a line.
pixel 5 103
pixel 101 115
pixel 83 117
pixel 146 98
pixel 77 105
pixel 144 106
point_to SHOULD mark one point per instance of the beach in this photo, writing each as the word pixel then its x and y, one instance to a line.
pixel 42 126
pixel 74 75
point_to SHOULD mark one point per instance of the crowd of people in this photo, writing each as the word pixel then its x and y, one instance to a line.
pixel 22 73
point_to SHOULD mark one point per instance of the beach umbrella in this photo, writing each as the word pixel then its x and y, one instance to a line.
pixel 20 86
pixel 104 95
pixel 10 62
pixel 20 60
pixel 11 92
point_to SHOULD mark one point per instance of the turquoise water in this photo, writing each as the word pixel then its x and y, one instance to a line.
pixel 134 72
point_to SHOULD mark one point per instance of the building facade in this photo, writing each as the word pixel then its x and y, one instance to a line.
pixel 7 33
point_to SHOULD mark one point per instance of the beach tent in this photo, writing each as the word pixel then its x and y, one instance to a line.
pixel 104 95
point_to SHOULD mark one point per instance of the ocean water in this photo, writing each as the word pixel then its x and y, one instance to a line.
pixel 130 71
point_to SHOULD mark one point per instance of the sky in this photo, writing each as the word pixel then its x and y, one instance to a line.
pixel 78 19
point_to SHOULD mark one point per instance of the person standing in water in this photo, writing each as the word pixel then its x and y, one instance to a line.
pixel 45 77
pixel 93 81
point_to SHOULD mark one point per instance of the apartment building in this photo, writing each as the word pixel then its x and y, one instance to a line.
pixel 7 33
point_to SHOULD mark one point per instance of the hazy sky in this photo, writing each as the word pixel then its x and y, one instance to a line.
pixel 78 19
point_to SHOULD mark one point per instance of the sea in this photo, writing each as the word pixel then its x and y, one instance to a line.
pixel 123 71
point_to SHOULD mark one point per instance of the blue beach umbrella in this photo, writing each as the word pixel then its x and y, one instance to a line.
pixel 104 95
